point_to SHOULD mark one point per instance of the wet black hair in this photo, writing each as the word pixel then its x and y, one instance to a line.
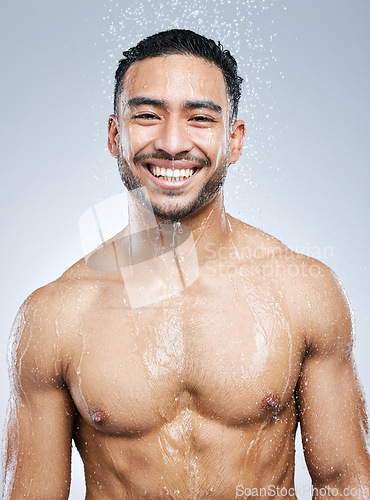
pixel 186 42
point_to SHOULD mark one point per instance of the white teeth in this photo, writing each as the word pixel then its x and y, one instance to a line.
pixel 171 174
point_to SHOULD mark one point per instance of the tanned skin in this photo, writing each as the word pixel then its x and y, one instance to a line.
pixel 197 394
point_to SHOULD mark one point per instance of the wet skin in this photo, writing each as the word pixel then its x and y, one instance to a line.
pixel 198 391
pixel 197 396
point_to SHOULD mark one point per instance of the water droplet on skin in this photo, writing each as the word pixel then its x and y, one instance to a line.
pixel 166 350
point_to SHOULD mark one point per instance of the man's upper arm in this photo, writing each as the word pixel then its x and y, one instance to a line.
pixel 331 405
pixel 40 417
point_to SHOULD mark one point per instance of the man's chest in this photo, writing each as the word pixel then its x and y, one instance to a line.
pixel 234 357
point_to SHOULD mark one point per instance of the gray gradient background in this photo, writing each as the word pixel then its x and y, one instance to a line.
pixel 304 175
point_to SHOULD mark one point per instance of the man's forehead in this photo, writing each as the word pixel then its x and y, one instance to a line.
pixel 176 75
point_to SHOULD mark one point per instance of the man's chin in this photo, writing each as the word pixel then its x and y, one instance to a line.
pixel 176 212
pixel 172 214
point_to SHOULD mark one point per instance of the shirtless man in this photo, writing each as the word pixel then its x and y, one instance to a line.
pixel 191 392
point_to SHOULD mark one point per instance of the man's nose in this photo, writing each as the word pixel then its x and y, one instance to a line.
pixel 174 138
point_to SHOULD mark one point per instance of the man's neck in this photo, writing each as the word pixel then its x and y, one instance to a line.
pixel 208 225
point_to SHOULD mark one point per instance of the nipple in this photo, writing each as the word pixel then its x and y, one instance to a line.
pixel 98 417
pixel 271 402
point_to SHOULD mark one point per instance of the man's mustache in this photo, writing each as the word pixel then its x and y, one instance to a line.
pixel 205 162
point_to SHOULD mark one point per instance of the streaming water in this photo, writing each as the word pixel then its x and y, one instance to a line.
pixel 248 29
pixel 176 327
pixel 183 374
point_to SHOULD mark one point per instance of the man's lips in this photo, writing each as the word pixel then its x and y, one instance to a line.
pixel 175 164
pixel 175 174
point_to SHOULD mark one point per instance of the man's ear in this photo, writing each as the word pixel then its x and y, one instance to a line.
pixel 113 135
pixel 236 140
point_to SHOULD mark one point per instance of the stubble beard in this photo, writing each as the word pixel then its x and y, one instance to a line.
pixel 170 212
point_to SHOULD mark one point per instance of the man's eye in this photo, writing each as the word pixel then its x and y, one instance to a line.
pixel 146 116
pixel 202 118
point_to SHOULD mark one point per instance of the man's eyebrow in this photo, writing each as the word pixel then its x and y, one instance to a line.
pixel 149 101
pixel 138 101
pixel 203 104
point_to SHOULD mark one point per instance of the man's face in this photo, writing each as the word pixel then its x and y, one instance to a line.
pixel 173 134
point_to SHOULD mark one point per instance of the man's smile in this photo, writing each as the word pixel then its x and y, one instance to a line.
pixel 170 174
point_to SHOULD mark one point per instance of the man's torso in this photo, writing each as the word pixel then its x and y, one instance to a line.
pixel 189 397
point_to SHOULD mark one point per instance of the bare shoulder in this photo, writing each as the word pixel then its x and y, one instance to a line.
pixel 80 285
pixel 321 304
pixel 45 324
pixel 318 304
pixel 45 304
